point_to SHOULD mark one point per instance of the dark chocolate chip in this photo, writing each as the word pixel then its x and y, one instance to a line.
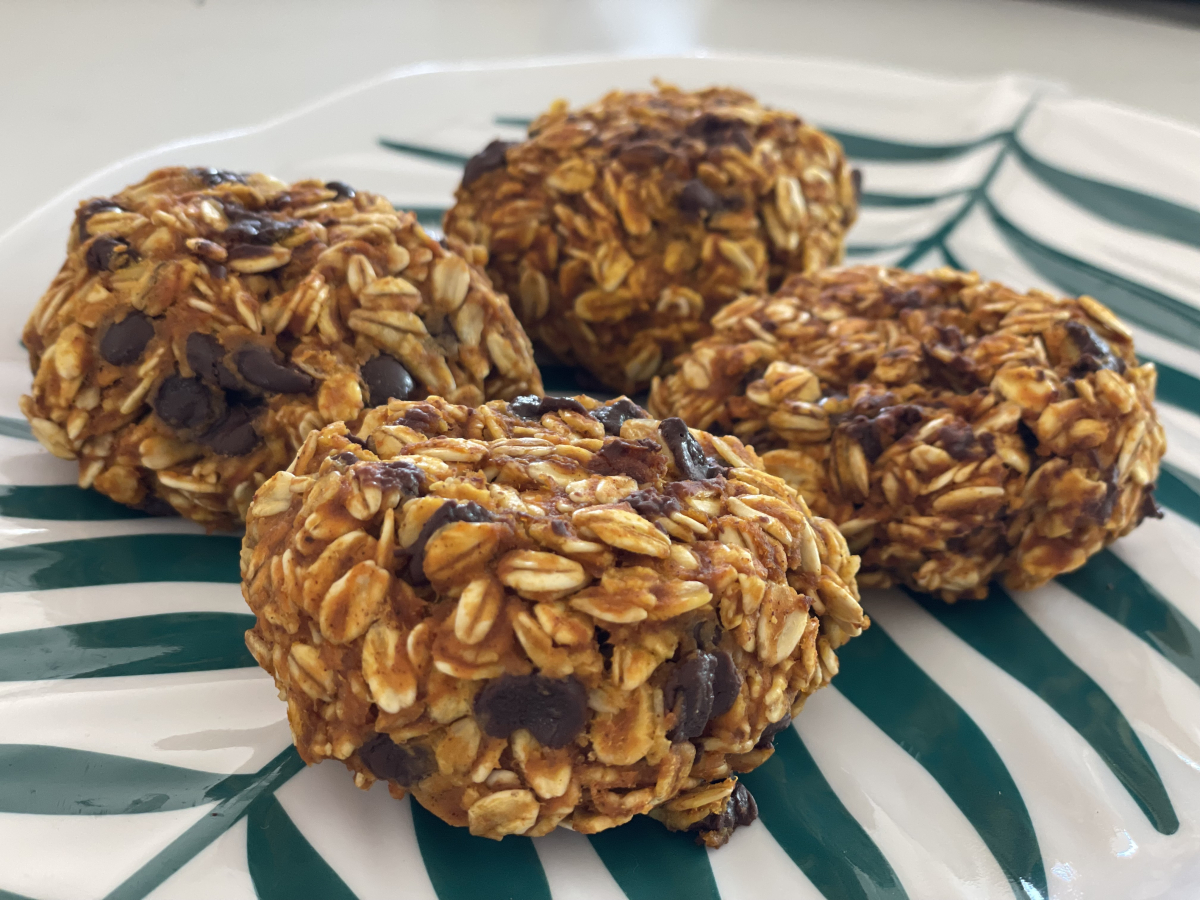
pixel 343 190
pixel 768 734
pixel 401 763
pixel 696 198
pixel 651 504
pixel 214 177
pixel 91 208
pixel 124 341
pixel 862 431
pixel 183 402
pixel 259 367
pixel 251 229
pixel 615 414
pixel 641 460
pixel 249 251
pixel 689 693
pixel 531 408
pixel 233 434
pixel 489 158
pixel 956 374
pixel 716 131
pixel 690 460
pixel 745 809
pixel 206 356
pixel 397 474
pixel 346 458
pixel 450 511
pixel 157 506
pixel 1092 351
pixel 422 418
pixel 217 271
pixel 553 710
pixel 727 682
pixel 957 439
pixel 386 379
pixel 108 254
pixel 1149 508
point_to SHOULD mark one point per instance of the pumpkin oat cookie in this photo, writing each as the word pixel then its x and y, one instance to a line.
pixel 546 612
pixel 955 430
pixel 205 321
pixel 621 227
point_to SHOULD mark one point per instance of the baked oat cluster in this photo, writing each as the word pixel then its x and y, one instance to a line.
pixel 623 226
pixel 955 430
pixel 543 612
pixel 205 321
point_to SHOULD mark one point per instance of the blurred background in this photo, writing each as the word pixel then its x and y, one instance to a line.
pixel 84 84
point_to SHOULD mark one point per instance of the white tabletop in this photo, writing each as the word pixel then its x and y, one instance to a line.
pixel 85 84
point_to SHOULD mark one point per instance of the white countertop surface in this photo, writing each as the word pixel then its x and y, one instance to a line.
pixel 85 84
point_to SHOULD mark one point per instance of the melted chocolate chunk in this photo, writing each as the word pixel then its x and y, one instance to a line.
pixel 249 251
pixel 689 693
pixel 386 379
pixel 650 504
pixel 727 682
pixel 214 177
pixel 91 208
pixel 1093 352
pixel 346 458
pixel 341 189
pixel 124 341
pixel 259 367
pixel 183 402
pixel 401 763
pixel 957 439
pixel 206 357
pixel 450 511
pixel 862 431
pixel 486 160
pixel 1149 508
pixel 690 460
pixel 640 459
pixel 740 809
pixel 768 734
pixel 422 418
pixel 615 414
pixel 716 131
pixel 109 254
pixel 1101 511
pixel 397 474
pixel 247 228
pixel 696 198
pixel 233 434
pixel 532 408
pixel 957 374
pixel 553 710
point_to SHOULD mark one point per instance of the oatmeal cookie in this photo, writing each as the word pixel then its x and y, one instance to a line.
pixel 543 612
pixel 955 430
pixel 205 321
pixel 621 227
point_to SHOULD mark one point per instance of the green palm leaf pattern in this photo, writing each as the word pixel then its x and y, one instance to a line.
pixel 896 694
pixel 651 863
pixel 283 864
pixel 999 630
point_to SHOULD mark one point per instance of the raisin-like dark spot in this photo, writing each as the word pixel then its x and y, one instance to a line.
pixel 206 356
pixel 602 642
pixel 727 682
pixel 956 373
pixel 856 179
pixel 217 271
pixel 716 828
pixel 91 208
pixel 768 734
pixel 397 474
pixel 401 763
pixel 553 710
pixel 486 160
pixel 183 402
pixel 650 504
pixel 341 189
pixel 690 460
pixel 124 341
pixel 259 367
pixel 957 439
pixel 641 460
pixel 422 418
pixel 108 254
pixel 615 414
pixel 950 336
pixel 386 379
pixel 261 230
pixel 987 441
pixel 214 177
pixel 1149 508
pixel 862 431
pixel 1092 353
pixel 745 809
pixel 346 458
pixel 450 511
pixel 689 692
pixel 233 434
pixel 531 408
pixel 696 198
pixel 716 131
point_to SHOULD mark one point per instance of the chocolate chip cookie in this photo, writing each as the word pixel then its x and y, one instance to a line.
pixel 543 612
pixel 205 321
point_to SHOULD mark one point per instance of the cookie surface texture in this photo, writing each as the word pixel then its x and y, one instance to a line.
pixel 957 430
pixel 620 228
pixel 205 321
pixel 543 612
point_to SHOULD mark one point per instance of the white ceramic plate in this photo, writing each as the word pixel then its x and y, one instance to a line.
pixel 1040 745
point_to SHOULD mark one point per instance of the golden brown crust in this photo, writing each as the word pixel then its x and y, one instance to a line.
pixel 621 227
pixel 956 430
pixel 282 294
pixel 421 586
